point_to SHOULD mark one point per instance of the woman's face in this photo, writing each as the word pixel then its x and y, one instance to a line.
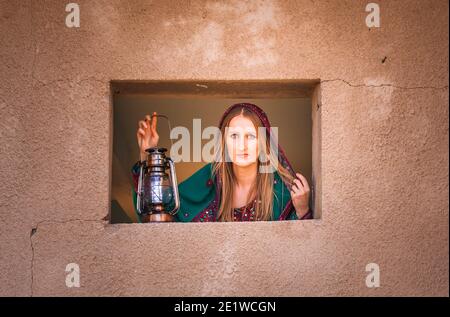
pixel 241 141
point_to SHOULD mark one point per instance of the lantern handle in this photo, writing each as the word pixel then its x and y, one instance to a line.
pixel 173 178
pixel 140 193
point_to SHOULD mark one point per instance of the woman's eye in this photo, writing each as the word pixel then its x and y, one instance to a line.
pixel 233 136
pixel 251 136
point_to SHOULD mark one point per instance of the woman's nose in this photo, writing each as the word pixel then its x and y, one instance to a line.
pixel 242 144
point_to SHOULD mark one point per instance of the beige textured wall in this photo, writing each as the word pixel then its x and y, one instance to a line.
pixel 384 130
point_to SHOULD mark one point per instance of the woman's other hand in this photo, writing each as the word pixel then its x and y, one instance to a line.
pixel 147 136
pixel 300 195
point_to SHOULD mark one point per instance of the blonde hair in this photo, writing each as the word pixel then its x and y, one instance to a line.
pixel 262 190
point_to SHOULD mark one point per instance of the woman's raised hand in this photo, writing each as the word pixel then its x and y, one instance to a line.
pixel 147 136
pixel 300 195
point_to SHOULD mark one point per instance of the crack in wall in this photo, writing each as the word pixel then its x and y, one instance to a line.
pixel 105 81
pixel 382 85
pixel 34 45
pixel 34 229
pixel 43 83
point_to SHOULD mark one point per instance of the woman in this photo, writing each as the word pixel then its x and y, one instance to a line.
pixel 236 187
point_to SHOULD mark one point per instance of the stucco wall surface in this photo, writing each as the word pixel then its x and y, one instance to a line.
pixel 384 148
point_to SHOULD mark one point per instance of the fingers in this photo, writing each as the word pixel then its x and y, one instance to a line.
pixel 143 125
pixel 296 193
pixel 297 187
pixel 147 130
pixel 303 181
pixel 139 137
pixel 148 121
pixel 141 132
pixel 154 122
pixel 151 124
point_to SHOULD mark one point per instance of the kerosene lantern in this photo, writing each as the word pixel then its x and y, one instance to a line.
pixel 157 197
